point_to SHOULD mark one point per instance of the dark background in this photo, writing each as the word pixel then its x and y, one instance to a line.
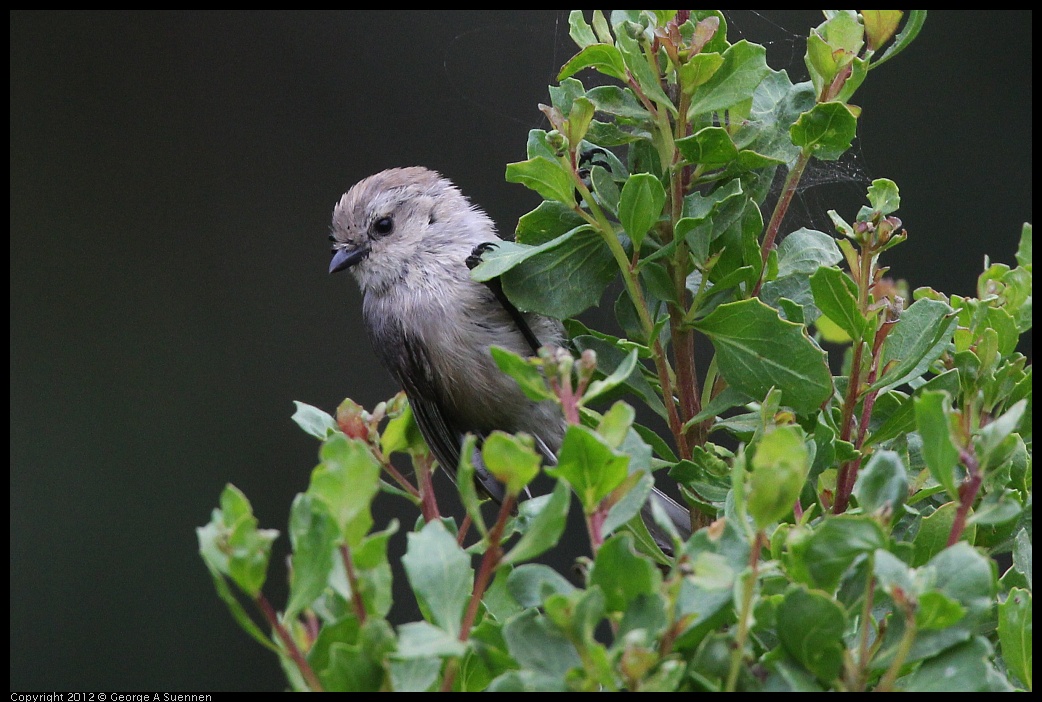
pixel 172 179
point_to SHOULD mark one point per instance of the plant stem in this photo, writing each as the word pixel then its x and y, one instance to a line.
pixel 352 580
pixel 389 468
pixel 967 494
pixel 598 220
pixel 846 427
pixel 866 621
pixel 848 473
pixel 792 180
pixel 687 378
pixel 683 337
pixel 429 502
pixel 291 646
pixel 745 614
pixel 886 683
pixel 488 567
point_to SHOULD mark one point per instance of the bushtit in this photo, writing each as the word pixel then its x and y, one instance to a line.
pixel 410 237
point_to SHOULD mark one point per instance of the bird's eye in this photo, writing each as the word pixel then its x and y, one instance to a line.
pixel 383 226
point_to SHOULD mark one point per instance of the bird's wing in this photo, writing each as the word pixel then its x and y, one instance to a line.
pixel 443 436
pixel 496 287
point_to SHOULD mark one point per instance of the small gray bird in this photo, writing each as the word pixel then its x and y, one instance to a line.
pixel 410 237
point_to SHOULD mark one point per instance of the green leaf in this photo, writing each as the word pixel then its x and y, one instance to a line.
pixel 698 70
pixel 825 131
pixel 357 666
pixel 627 508
pixel 425 640
pixel 513 460
pixel 314 421
pixel 622 573
pixel 617 101
pixel 806 250
pixel 605 189
pixel 548 515
pixel 414 674
pixel 546 222
pixel 616 422
pixel 962 668
pixel 577 614
pixel 777 103
pixel 932 537
pixel 231 544
pixel 611 356
pixel 706 600
pixel 466 486
pixel 538 645
pixel 372 570
pixel 528 377
pixel 962 575
pixel 917 340
pixel 562 96
pixel 810 626
pixel 884 196
pixel 835 294
pixel 640 205
pixel 832 47
pixel 932 418
pixel 546 177
pixel 779 469
pixel 836 544
pixel 601 28
pixel 1015 634
pixel 589 466
pixel 562 285
pixel 993 436
pixel 744 67
pixel 937 611
pixel 579 30
pixel 541 279
pixel 538 144
pixel 757 350
pixel 641 71
pixel 1024 248
pixel 1022 558
pixel 882 483
pixel 913 26
pixel 346 481
pixel 313 535
pixel 710 147
pixel 604 58
pixel 617 377
pixel 531 583
pixel 579 118
pixel 880 25
pixel 440 575
pixel 402 434
pixel 902 419
pixel 893 574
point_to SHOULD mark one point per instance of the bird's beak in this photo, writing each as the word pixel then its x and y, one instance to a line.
pixel 345 258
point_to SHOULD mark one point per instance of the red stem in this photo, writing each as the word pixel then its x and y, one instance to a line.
pixel 846 428
pixel 428 501
pixel 489 561
pixel 291 645
pixel 967 494
pixel 780 209
pixel 352 580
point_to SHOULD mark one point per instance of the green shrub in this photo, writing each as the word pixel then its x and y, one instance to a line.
pixel 845 526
